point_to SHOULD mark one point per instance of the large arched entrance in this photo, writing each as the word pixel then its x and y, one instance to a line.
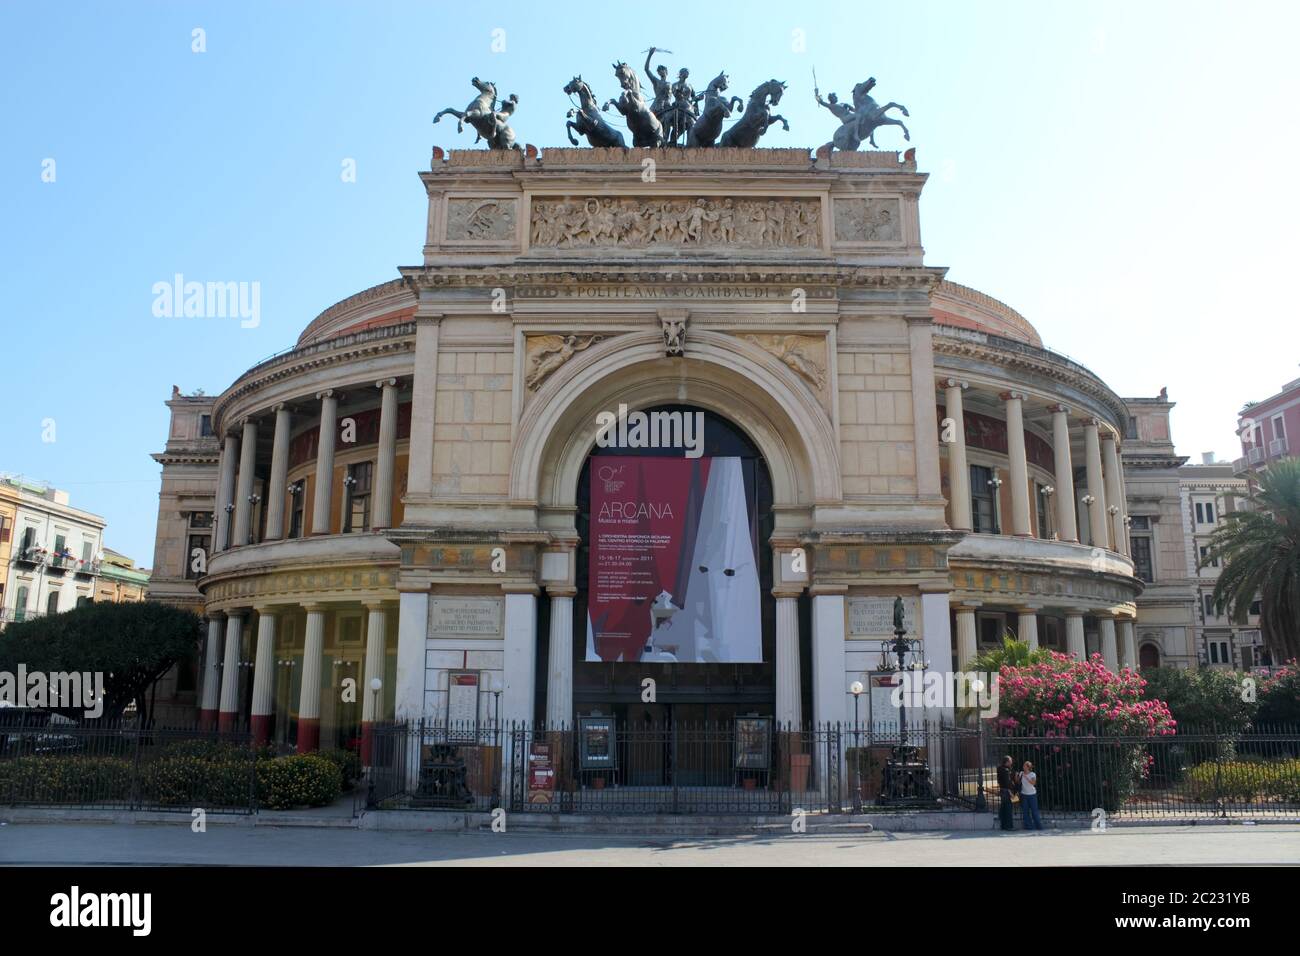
pixel 685 692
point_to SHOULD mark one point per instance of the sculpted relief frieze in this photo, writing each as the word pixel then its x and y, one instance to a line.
pixel 544 354
pixel 868 220
pixel 605 222
pixel 804 354
pixel 481 219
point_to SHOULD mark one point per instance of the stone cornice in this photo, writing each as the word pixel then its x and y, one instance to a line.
pixel 553 272
pixel 342 350
pixel 353 303
pixel 1010 354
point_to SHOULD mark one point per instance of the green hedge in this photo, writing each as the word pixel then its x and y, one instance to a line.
pixel 1244 781
pixel 187 774
pixel 65 779
pixel 298 780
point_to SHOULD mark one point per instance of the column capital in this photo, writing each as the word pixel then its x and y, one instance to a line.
pixel 238 613
pixel 1089 422
pixel 386 383
pixel 379 605
pixel 280 407
pixel 969 605
pixel 1060 408
pixel 1012 396
pixel 1029 608
pixel 787 592
pixel 426 312
pixel 315 607
pixel 325 393
pixel 1106 434
pixel 955 383
pixel 562 591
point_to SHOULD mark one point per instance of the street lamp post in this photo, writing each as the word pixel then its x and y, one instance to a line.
pixel 856 688
pixel 907 774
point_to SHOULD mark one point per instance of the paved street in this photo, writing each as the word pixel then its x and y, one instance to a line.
pixel 73 844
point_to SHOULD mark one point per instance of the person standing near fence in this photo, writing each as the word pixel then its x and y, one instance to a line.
pixel 1028 781
pixel 1006 788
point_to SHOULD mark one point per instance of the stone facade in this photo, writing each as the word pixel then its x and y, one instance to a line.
pixel 784 294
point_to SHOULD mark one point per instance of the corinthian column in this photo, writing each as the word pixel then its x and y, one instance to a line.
pixel 1097 517
pixel 263 676
pixel 247 464
pixel 1114 494
pixel 320 515
pixel 383 508
pixel 229 715
pixel 958 472
pixel 226 494
pixel 309 698
pixel 789 687
pixel 279 475
pixel 1067 529
pixel 559 663
pixel 1019 464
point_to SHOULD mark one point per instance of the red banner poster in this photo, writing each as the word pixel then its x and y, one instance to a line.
pixel 673 575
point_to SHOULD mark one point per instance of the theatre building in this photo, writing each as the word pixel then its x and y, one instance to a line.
pixel 701 430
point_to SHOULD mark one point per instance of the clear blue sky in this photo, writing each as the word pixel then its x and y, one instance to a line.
pixel 1121 173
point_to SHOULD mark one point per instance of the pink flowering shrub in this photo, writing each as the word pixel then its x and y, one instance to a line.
pixel 1084 727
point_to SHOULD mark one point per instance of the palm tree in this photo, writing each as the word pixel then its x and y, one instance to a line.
pixel 1260 551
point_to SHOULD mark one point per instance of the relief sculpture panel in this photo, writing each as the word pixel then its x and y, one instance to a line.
pixel 481 219
pixel 868 220
pixel 603 222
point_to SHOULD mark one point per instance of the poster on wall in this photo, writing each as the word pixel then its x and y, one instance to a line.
pixel 673 566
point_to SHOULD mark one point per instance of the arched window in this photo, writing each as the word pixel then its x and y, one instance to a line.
pixel 1149 656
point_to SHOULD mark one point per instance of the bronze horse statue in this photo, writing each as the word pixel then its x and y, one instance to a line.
pixel 704 131
pixel 490 124
pixel 589 121
pixel 641 120
pixel 757 117
pixel 872 116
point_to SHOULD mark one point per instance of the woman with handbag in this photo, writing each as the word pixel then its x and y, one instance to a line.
pixel 1006 793
pixel 1027 782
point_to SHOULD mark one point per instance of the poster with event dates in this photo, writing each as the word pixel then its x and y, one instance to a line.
pixel 673 572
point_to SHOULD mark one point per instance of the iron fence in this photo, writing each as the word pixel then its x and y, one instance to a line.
pixel 1202 774
pixel 122 766
pixel 431 765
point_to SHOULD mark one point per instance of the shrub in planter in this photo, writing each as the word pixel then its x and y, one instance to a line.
pixel 348 762
pixel 1073 712
pixel 183 780
pixel 298 780
pixel 64 779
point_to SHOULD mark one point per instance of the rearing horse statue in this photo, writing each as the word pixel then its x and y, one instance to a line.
pixel 589 121
pixel 704 131
pixel 871 116
pixel 757 117
pixel 482 114
pixel 641 120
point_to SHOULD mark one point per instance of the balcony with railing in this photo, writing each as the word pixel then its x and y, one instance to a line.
pixel 32 555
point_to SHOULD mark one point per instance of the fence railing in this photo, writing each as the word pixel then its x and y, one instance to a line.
pixel 1197 773
pixel 750 767
pixel 121 766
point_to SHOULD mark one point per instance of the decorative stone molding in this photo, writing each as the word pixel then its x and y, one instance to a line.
pixel 693 222
pixel 805 354
pixel 544 354
pixel 554 157
pixel 859 219
pixel 674 327
pixel 482 219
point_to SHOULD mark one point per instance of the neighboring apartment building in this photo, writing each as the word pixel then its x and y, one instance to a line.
pixel 55 552
pixel 8 516
pixel 185 506
pixel 1166 622
pixel 1209 491
pixel 120 580
pixel 1269 430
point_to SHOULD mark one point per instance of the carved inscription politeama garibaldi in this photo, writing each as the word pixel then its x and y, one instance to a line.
pixel 594 222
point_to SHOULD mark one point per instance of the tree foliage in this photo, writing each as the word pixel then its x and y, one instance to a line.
pixel 132 645
pixel 1259 548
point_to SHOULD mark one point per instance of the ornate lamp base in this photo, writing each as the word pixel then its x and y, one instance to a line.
pixel 906 780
